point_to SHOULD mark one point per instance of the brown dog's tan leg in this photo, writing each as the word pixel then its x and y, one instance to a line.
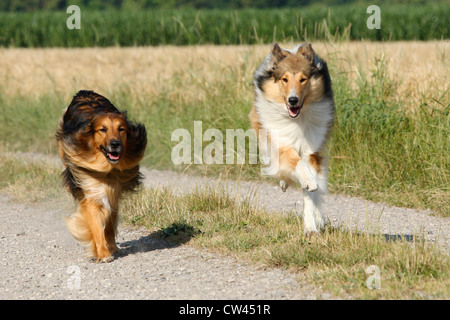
pixel 111 230
pixel 96 217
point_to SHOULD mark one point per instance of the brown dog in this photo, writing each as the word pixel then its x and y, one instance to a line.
pixel 101 151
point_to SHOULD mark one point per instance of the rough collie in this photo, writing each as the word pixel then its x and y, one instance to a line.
pixel 293 98
pixel 101 151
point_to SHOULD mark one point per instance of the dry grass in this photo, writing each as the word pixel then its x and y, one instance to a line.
pixel 421 68
pixel 403 156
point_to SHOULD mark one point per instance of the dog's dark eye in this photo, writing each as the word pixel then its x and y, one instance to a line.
pixel 121 129
pixel 285 79
pixel 303 80
pixel 103 130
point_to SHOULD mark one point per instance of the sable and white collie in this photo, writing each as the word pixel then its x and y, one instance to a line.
pixel 101 151
pixel 294 99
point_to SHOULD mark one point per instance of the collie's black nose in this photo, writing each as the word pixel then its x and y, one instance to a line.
pixel 115 144
pixel 293 101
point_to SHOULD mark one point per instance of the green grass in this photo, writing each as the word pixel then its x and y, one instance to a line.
pixel 384 151
pixel 27 180
pixel 29 123
pixel 222 26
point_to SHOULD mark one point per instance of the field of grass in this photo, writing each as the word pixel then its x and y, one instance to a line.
pixel 246 26
pixel 336 260
pixel 390 142
pixel 212 219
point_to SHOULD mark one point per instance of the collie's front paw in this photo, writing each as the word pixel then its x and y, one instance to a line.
pixel 283 185
pixel 310 185
pixel 305 177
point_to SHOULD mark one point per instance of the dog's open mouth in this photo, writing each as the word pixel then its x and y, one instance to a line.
pixel 112 157
pixel 294 111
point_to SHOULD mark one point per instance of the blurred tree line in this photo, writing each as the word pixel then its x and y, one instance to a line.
pixel 32 5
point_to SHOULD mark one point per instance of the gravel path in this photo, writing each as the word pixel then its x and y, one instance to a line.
pixel 40 260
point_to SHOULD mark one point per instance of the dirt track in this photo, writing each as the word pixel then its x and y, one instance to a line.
pixel 40 260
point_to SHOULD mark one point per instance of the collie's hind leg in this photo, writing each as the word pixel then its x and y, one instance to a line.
pixel 322 181
pixel 314 219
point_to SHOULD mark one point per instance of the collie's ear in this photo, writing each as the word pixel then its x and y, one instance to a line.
pixel 278 53
pixel 306 51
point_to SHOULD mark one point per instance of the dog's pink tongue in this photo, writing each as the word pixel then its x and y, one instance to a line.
pixel 113 157
pixel 294 112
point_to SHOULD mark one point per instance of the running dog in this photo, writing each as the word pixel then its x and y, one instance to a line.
pixel 101 151
pixel 294 103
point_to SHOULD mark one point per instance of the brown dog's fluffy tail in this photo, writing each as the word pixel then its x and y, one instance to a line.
pixel 78 227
